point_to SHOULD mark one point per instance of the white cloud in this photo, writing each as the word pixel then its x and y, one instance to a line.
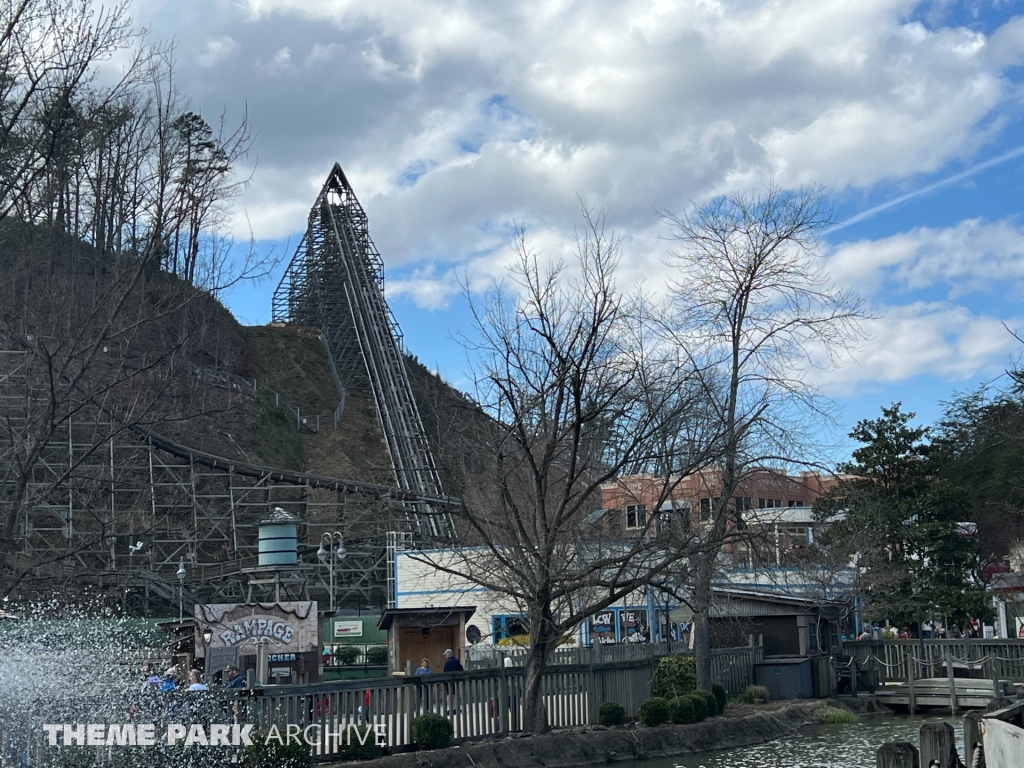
pixel 454 120
pixel 506 110
pixel 217 50
pixel 972 257
pixel 932 338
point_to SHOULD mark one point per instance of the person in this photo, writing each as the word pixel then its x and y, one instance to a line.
pixel 167 685
pixel 195 680
pixel 152 680
pixel 866 634
pixel 451 664
pixel 235 680
pixel 423 668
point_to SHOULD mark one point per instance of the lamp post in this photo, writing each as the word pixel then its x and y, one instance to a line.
pixel 335 549
pixel 181 588
pixel 207 637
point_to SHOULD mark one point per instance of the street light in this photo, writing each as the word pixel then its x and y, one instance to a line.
pixel 207 637
pixel 335 550
pixel 181 587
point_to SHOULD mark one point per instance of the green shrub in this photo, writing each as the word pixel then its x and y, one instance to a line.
pixel 699 704
pixel 719 690
pixel 377 655
pixel 345 654
pixel 836 716
pixel 655 711
pixel 674 676
pixel 682 710
pixel 274 754
pixel 755 693
pixel 432 732
pixel 611 713
pixel 710 701
pixel 351 748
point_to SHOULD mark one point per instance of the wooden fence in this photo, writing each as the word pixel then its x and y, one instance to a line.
pixel 479 703
pixel 983 658
pixel 492 656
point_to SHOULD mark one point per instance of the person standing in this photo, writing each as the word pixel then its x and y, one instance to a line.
pixel 452 664
pixel 195 680
pixel 423 668
pixel 235 680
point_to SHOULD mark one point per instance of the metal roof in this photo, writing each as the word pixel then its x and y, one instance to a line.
pixel 279 516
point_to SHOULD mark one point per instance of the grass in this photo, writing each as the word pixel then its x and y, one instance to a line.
pixel 836 716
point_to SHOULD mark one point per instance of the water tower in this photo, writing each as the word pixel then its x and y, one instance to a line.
pixel 278 575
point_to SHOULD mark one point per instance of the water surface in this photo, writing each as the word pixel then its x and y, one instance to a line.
pixel 834 746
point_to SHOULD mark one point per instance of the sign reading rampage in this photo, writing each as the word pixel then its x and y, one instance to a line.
pixel 291 627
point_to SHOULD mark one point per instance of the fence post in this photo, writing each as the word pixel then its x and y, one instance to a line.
pixel 912 704
pixel 996 692
pixel 593 704
pixel 972 733
pixel 897 754
pixel 953 708
pixel 502 706
pixel 938 743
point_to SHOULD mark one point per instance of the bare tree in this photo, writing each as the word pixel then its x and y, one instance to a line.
pixel 753 308
pixel 576 398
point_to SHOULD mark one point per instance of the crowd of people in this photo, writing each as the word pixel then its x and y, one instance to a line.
pixel 174 678
pixel 928 631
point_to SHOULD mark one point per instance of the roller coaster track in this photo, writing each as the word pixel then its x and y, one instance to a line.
pixel 335 283
pixel 289 477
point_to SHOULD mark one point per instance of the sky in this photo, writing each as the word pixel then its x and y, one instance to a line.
pixel 456 120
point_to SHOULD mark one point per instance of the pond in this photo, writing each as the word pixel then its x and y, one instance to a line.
pixel 834 746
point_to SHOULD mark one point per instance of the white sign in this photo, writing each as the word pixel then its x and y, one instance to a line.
pixel 348 628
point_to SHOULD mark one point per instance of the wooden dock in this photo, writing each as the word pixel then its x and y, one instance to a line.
pixel 934 693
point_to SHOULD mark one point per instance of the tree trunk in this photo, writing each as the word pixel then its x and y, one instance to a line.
pixel 542 642
pixel 702 626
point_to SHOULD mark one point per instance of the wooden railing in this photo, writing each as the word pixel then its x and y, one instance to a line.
pixel 987 658
pixel 493 656
pixel 479 703
pixel 732 667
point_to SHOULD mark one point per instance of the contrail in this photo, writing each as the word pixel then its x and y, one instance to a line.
pixel 1006 156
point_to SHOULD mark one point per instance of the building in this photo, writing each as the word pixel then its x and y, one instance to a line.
pixel 786 625
pixel 775 508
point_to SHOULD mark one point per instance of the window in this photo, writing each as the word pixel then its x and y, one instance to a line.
pixel 507 627
pixel 795 503
pixel 636 516
pixel 707 506
pixel 742 503
pixel 769 503
pixel 674 522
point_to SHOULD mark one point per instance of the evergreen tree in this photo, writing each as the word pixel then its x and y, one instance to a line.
pixel 902 525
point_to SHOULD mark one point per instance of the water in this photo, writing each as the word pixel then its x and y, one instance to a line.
pixel 834 746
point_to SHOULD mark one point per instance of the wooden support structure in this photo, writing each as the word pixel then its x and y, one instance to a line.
pixel 953 708
pixel 897 754
pixel 938 746
pixel 912 703
pixel 972 734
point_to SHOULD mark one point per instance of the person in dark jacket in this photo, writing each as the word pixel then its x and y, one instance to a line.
pixel 235 680
pixel 451 664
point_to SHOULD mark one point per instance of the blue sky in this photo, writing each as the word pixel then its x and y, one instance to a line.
pixel 453 120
